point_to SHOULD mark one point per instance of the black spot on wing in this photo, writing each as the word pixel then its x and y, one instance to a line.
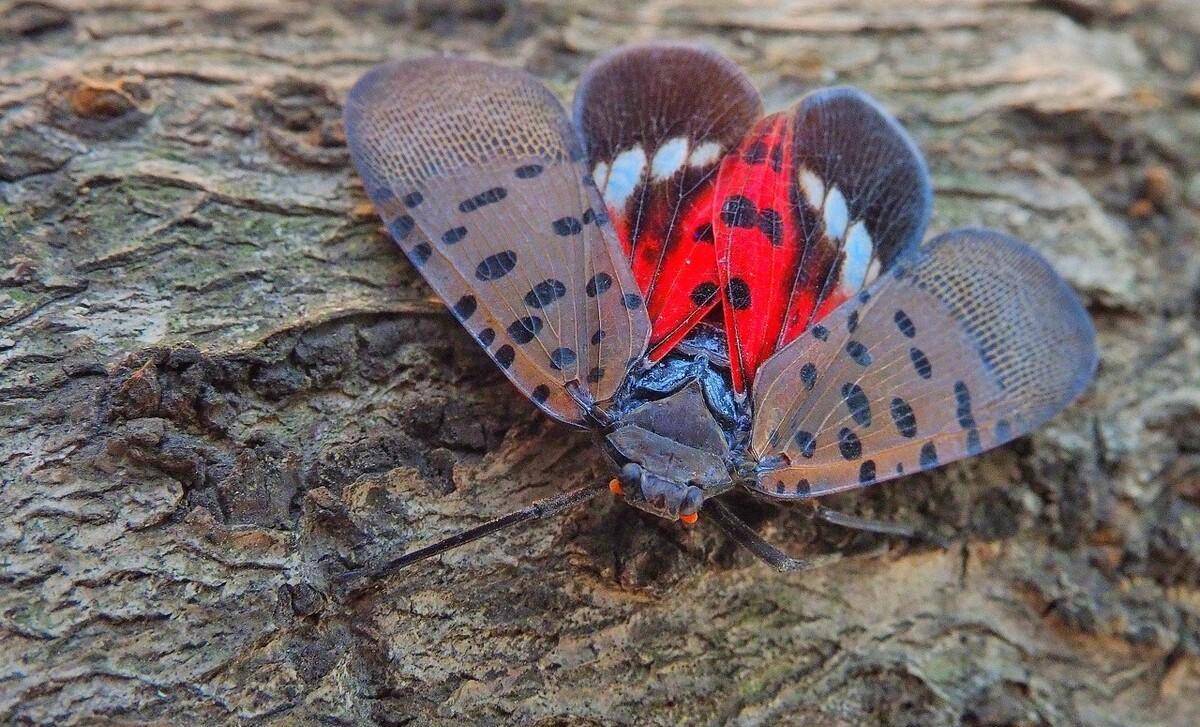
pixel 595 375
pixel 567 226
pixel 703 293
pixel 598 336
pixel 524 330
pixel 771 225
pixel 821 333
pixel 904 323
pixel 852 321
pixel 483 199
pixel 453 235
pixel 849 444
pixel 401 227
pixel 921 363
pixel 420 253
pixel 858 353
pixel 599 283
pixel 962 398
pixel 974 446
pixel 738 211
pixel 631 301
pixel 505 355
pixel 929 456
pixel 756 153
pixel 529 171
pixel 808 375
pixel 904 418
pixel 703 233
pixel 560 358
pixel 465 307
pixel 494 267
pixel 486 336
pixel 739 294
pixel 866 472
pixel 412 199
pixel 541 393
pixel 857 403
pixel 545 293
pixel 806 442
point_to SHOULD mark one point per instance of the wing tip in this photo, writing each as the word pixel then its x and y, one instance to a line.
pixel 658 51
pixel 409 119
pixel 426 72
pixel 669 60
pixel 924 185
pixel 363 92
pixel 1061 299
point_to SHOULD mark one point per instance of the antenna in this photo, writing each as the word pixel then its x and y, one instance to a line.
pixel 356 580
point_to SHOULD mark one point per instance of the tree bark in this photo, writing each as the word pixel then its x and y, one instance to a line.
pixel 221 385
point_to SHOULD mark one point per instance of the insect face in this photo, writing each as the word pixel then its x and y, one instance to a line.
pixel 658 495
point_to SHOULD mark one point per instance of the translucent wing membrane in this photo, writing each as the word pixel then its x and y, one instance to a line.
pixel 481 180
pixel 657 119
pixel 815 203
pixel 967 343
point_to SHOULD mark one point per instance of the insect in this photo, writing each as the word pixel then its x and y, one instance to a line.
pixel 726 299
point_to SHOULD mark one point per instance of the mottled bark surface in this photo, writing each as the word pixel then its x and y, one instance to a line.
pixel 219 383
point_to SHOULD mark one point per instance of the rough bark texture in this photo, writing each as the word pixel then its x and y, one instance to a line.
pixel 220 384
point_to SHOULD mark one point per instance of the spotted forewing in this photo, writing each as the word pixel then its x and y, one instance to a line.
pixel 963 345
pixel 657 119
pixel 480 178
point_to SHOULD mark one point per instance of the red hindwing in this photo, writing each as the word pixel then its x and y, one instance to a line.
pixel 812 206
pixel 654 153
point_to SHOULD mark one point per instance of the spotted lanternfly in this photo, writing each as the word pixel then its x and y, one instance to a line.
pixel 727 300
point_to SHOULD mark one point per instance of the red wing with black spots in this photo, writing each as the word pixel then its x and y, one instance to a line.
pixel 480 178
pixel 965 344
pixel 813 205
pixel 657 119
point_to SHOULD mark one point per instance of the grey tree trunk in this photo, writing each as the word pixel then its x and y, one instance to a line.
pixel 220 383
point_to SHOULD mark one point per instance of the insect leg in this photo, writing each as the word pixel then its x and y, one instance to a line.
pixel 882 527
pixel 745 536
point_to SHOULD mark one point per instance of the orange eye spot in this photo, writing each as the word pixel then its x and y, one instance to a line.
pixel 615 486
pixel 689 519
